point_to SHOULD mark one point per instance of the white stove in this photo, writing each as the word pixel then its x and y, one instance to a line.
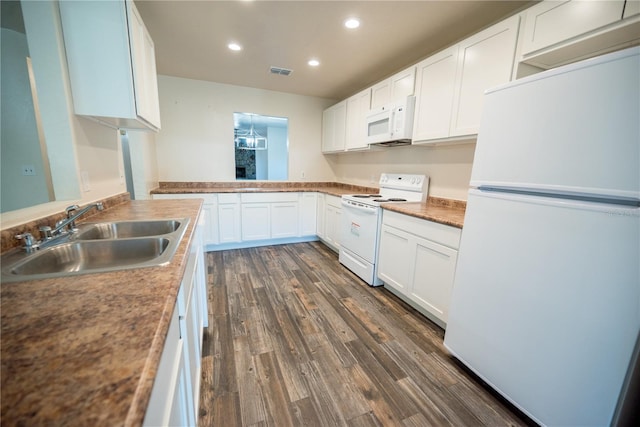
pixel 362 216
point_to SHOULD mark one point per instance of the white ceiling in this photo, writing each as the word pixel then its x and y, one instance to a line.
pixel 191 39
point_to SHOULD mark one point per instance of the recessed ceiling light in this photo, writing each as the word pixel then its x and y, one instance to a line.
pixel 352 23
pixel 313 62
pixel 234 46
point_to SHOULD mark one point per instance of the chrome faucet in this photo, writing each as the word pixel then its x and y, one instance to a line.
pixel 50 235
pixel 72 214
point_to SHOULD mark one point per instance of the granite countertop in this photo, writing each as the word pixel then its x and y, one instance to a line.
pixel 84 350
pixel 444 211
pixel 332 188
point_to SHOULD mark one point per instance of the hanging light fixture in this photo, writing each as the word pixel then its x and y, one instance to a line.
pixel 251 140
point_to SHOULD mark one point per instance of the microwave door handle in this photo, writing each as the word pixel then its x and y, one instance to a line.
pixel 392 123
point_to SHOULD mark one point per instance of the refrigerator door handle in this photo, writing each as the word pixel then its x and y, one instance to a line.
pixel 607 208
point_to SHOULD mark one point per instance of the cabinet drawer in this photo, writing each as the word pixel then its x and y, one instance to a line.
pixel 439 233
pixel 268 197
pixel 228 198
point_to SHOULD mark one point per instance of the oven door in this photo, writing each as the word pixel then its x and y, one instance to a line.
pixel 360 226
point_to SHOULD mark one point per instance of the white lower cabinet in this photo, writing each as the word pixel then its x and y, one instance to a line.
pixel 332 221
pixel 256 221
pixel 269 215
pixel 320 215
pixel 229 218
pixel 308 213
pixel 417 261
pixel 176 389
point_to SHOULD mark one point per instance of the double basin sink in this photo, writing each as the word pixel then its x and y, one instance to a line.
pixel 98 247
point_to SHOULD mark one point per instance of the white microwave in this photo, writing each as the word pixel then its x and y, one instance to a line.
pixel 391 124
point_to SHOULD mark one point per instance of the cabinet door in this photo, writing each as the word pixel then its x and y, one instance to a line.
pixel 256 219
pixel 631 8
pixel 381 93
pixel 357 109
pixel 340 126
pixel 284 220
pixel 333 221
pixel 552 22
pixel 334 122
pixel 320 216
pixel 210 230
pixel 394 260
pixel 484 60
pixel 229 222
pixel 327 129
pixel 308 213
pixel 434 95
pixel 144 68
pixel 432 281
pixel 166 406
pixel 403 83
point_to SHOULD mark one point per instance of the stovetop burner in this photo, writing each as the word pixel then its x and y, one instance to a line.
pixel 366 196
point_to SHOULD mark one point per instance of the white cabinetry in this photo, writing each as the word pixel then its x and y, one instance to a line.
pixel 269 215
pixel 111 62
pixel 357 108
pixel 334 121
pixel 435 82
pixel 551 22
pixel 229 218
pixel 308 213
pixel 417 260
pixel 631 8
pixel 332 221
pixel 320 215
pixel 396 87
pixel 484 60
pixel 450 84
pixel 557 33
pixel 176 390
pixel 209 214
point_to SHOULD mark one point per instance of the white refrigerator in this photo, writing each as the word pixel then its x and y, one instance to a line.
pixel 546 302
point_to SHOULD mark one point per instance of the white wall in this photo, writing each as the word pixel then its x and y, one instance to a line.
pixel 448 167
pixel 196 140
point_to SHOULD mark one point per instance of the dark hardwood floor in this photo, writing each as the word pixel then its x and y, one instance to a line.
pixel 296 339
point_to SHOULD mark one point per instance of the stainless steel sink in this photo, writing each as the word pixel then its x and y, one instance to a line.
pixel 126 229
pixel 98 248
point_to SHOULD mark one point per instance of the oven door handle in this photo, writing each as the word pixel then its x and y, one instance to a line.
pixel 360 208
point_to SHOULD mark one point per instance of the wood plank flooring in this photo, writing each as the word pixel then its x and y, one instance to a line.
pixel 295 339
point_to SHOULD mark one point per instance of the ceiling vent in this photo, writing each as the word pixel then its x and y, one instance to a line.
pixel 280 71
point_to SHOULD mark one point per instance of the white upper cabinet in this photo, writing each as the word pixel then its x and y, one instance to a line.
pixel 631 8
pixel 334 121
pixel 551 22
pixel 357 108
pixel 111 61
pixel 395 87
pixel 485 60
pixel 561 32
pixel 435 80
pixel 450 84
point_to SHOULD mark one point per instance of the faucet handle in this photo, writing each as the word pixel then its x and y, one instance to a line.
pixel 29 241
